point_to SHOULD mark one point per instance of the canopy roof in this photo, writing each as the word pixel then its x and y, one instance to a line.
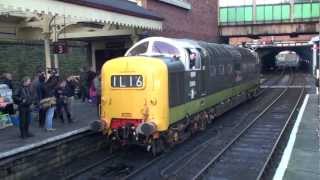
pixel 121 12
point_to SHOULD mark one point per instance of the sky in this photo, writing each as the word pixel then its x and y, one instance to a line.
pixel 248 2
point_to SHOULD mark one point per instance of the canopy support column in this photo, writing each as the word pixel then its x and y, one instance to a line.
pixel 47 54
pixel 93 57
pixel 56 62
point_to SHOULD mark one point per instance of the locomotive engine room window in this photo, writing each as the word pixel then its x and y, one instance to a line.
pixel 212 70
pixel 221 69
pixel 237 67
pixel 194 59
pixel 244 68
pixel 140 49
pixel 229 69
pixel 165 49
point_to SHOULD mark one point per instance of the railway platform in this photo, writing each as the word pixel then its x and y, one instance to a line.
pixel 11 143
pixel 301 157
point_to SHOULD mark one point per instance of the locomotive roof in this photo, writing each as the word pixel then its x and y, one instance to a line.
pixel 180 49
pixel 216 49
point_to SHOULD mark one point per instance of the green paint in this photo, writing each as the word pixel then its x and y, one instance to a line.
pixel 223 15
pixel 269 13
pixel 240 14
pixel 285 12
pixel 315 10
pixel 306 9
pixel 248 14
pixel 277 12
pixel 179 112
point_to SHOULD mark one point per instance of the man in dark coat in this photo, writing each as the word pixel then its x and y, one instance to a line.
pixel 7 79
pixel 24 100
pixel 84 86
pixel 40 91
pixel 61 94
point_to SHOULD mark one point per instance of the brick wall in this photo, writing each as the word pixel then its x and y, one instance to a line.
pixel 200 23
pixel 22 58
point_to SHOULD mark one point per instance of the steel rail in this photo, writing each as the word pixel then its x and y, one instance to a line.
pixel 148 164
pixel 85 169
pixel 280 135
pixel 215 158
pixel 198 175
pixel 194 152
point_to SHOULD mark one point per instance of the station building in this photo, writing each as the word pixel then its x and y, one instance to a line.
pixel 95 30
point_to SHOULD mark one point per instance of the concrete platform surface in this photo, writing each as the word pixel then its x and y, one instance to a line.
pixel 301 158
pixel 10 141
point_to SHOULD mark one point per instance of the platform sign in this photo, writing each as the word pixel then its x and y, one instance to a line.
pixel 60 47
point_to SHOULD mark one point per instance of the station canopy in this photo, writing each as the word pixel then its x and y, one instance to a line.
pixel 69 15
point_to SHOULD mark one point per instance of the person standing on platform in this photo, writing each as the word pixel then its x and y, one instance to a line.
pixel 97 87
pixel 49 102
pixel 23 98
pixel 62 101
pixel 40 94
pixel 92 93
pixel 70 90
pixel 7 79
pixel 84 87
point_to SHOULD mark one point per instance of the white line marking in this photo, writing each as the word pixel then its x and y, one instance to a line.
pixel 287 152
pixel 193 74
pixel 38 144
pixel 192 83
pixel 283 86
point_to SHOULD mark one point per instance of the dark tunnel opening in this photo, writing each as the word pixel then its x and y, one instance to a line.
pixel 268 58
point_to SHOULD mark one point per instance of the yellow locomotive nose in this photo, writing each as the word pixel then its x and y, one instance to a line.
pixel 135 91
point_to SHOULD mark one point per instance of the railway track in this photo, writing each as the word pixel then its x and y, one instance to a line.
pixel 247 156
pixel 89 167
pixel 141 167
pixel 247 153
pixel 190 155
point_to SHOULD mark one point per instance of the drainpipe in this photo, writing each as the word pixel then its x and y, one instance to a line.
pixel 254 11
pixel 47 54
pixel 291 10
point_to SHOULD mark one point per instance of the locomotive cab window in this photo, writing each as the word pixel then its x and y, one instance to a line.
pixel 165 49
pixel 140 49
pixel 194 59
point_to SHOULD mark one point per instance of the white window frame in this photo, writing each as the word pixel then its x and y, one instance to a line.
pixel 179 3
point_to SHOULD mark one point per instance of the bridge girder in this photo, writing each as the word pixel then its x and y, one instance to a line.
pixel 254 30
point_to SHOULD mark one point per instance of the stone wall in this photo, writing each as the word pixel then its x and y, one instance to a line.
pixel 22 58
pixel 44 159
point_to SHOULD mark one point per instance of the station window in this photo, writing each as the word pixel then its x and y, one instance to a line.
pixel 165 49
pixel 140 49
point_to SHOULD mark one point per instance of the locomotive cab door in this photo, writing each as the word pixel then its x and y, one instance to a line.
pixel 203 73
pixel 195 74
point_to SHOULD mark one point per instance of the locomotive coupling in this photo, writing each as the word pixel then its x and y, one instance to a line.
pixel 98 125
pixel 146 128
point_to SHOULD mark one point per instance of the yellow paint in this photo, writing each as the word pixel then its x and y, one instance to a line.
pixel 149 103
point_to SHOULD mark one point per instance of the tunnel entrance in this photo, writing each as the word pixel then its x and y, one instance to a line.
pixel 268 56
